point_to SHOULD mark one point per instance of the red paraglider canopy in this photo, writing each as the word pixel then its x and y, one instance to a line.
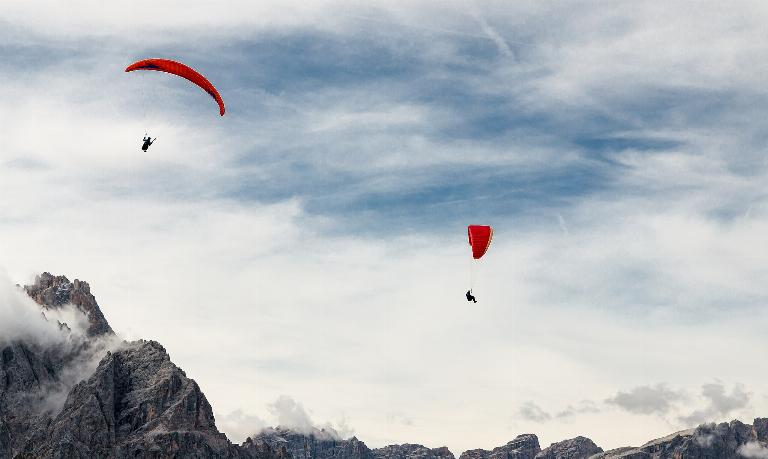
pixel 179 69
pixel 480 239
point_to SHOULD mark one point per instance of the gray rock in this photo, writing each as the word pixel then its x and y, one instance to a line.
pixel 53 292
pixel 136 404
pixel 575 448
pixel 409 451
pixel 27 373
pixel 616 452
pixel 760 426
pixel 708 441
pixel 317 444
pixel 524 446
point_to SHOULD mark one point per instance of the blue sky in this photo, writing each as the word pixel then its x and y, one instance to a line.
pixel 312 242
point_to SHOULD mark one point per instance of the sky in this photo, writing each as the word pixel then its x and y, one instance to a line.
pixel 304 257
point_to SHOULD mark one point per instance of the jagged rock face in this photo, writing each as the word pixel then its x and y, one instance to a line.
pixel 408 451
pixel 318 444
pixel 575 448
pixel 259 449
pixel 760 427
pixel 25 375
pixel 36 376
pixel 137 403
pixel 53 292
pixel 708 441
pixel 525 446
pixel 23 370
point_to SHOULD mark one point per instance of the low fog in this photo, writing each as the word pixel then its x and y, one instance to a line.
pixel 55 334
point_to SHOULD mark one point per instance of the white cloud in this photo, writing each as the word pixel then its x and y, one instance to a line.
pixel 290 413
pixel 719 403
pixel 239 426
pixel 59 331
pixel 361 325
pixel 150 23
pixel 647 399
pixel 399 418
pixel 583 407
pixel 21 319
pixel 753 449
pixel 532 412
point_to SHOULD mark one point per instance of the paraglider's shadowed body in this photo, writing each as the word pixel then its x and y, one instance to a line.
pixel 470 297
pixel 147 142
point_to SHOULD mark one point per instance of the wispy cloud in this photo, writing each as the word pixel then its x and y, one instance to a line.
pixel 753 449
pixel 320 224
pixel 657 399
pixel 660 400
pixel 719 403
pixel 583 407
pixel 238 425
pixel 532 412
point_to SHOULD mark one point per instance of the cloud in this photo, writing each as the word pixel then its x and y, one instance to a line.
pixel 340 429
pixel 754 450
pixel 532 412
pixel 291 414
pixel 21 319
pixel 657 399
pixel 327 214
pixel 80 366
pixel 583 407
pixel 500 42
pixel 61 332
pixel 399 418
pixel 661 400
pixel 719 403
pixel 238 425
pixel 705 440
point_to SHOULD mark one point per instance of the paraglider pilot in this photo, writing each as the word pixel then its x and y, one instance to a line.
pixel 147 142
pixel 470 297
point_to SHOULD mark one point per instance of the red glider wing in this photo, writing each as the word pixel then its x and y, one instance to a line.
pixel 179 69
pixel 479 239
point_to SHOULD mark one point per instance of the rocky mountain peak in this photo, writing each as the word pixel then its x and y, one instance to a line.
pixel 411 451
pixel 314 444
pixel 524 446
pixel 574 448
pixel 53 292
pixel 135 402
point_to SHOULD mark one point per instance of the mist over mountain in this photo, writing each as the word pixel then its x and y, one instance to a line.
pixel 71 388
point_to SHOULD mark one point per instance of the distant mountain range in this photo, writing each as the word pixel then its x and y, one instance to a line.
pixel 89 395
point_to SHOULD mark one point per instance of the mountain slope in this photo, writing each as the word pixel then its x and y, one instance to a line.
pixel 83 393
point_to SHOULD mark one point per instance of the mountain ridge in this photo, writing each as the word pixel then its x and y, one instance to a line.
pixel 106 398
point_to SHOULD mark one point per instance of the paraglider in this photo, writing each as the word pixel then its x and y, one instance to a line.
pixel 184 71
pixel 147 142
pixel 480 237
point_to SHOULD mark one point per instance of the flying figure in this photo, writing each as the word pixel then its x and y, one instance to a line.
pixel 147 142
pixel 479 240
